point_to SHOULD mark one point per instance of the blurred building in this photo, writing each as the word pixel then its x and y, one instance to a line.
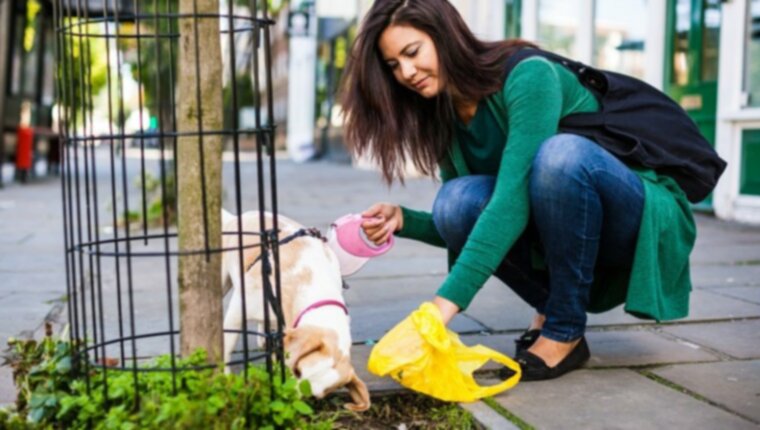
pixel 738 107
pixel 705 54
pixel 279 50
pixel 27 70
pixel 302 51
pixel 277 73
pixel 336 29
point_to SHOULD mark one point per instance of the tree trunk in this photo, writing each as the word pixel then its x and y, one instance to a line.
pixel 199 277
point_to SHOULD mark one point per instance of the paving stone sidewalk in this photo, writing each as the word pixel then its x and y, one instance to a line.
pixel 702 372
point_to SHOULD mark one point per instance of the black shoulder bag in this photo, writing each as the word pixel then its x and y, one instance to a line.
pixel 639 125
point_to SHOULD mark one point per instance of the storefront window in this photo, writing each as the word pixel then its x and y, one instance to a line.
pixel 619 33
pixel 48 89
pixel 710 40
pixel 681 45
pixel 558 25
pixel 16 76
pixel 332 54
pixel 749 179
pixel 512 18
pixel 31 64
pixel 752 64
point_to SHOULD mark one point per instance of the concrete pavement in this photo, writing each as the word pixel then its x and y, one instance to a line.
pixel 702 372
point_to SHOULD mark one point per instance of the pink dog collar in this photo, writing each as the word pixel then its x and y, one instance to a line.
pixel 317 305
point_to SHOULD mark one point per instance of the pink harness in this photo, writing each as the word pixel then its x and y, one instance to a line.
pixel 317 305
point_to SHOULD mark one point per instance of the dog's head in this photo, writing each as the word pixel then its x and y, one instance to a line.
pixel 313 354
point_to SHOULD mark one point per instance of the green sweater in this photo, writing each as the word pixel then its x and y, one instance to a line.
pixel 537 94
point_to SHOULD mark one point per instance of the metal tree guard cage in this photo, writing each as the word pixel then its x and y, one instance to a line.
pixel 118 186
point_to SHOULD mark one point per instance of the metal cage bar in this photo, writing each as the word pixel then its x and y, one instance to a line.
pixel 111 262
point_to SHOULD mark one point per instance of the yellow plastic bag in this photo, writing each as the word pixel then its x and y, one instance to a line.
pixel 422 355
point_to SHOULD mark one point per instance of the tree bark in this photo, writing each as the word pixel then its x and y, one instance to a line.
pixel 199 221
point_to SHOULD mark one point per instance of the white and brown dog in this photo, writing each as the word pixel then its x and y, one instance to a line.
pixel 317 337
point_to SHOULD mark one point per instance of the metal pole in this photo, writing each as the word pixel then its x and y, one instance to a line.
pixel 5 40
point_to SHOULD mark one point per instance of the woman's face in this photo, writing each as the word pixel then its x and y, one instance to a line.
pixel 412 57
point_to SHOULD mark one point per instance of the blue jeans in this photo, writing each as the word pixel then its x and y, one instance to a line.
pixel 585 212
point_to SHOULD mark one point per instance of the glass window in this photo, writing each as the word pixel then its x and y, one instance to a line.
pixel 619 33
pixel 512 18
pixel 31 62
pixel 681 43
pixel 18 56
pixel 752 63
pixel 749 181
pixel 558 26
pixel 48 88
pixel 710 40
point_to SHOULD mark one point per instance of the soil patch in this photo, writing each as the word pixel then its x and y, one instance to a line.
pixel 401 411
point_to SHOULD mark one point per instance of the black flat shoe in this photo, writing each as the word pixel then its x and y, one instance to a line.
pixel 526 340
pixel 522 343
pixel 535 369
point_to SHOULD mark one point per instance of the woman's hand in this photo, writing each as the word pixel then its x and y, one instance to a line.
pixel 384 219
pixel 448 308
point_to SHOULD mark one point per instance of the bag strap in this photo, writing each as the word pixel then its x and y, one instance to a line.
pixel 480 352
pixel 574 66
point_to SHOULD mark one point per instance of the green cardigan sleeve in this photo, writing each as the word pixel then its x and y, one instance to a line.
pixel 533 97
pixel 419 225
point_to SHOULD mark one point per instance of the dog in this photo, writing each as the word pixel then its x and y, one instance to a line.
pixel 317 336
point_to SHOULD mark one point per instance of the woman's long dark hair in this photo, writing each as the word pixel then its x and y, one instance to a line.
pixel 389 121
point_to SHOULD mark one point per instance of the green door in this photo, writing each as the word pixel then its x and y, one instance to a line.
pixel 512 19
pixel 691 69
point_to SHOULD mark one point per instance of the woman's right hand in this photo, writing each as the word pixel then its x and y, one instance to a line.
pixel 383 219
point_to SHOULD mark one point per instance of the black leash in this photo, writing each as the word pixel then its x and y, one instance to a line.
pixel 311 232
pixel 267 267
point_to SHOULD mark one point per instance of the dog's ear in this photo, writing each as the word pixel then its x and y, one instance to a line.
pixel 357 389
pixel 299 344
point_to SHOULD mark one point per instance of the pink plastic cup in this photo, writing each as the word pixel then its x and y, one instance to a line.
pixel 353 249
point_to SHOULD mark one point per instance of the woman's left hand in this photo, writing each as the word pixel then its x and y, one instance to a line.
pixel 383 220
pixel 448 308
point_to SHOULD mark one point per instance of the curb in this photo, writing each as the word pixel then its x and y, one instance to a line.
pixel 487 417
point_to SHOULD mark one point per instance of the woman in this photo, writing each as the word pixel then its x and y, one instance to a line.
pixel 565 224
